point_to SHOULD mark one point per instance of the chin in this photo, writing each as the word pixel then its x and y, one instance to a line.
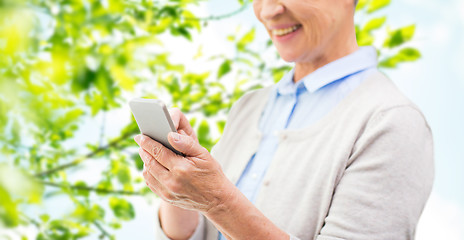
pixel 289 56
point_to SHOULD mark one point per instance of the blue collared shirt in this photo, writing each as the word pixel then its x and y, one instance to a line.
pixel 298 105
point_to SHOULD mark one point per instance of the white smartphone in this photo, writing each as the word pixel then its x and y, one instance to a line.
pixel 153 120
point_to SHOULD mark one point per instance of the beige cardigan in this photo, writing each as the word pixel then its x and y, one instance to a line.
pixel 364 171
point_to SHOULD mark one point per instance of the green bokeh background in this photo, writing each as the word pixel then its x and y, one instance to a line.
pixel 65 64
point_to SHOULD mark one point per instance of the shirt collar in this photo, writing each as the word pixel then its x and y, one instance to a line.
pixel 361 59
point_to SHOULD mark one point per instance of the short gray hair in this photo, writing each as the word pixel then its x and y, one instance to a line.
pixel 355 2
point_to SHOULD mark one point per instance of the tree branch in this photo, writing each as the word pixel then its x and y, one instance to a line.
pixel 79 160
pixel 102 230
pixel 219 17
pixel 34 222
pixel 90 189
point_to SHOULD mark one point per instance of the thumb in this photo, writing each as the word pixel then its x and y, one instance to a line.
pixel 186 145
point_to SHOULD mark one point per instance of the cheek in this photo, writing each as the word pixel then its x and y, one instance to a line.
pixel 257 9
pixel 317 26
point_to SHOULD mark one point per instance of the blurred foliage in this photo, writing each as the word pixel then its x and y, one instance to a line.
pixel 393 49
pixel 68 63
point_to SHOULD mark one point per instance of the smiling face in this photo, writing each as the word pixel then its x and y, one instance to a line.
pixel 307 30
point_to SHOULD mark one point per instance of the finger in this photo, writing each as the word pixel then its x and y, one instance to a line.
pixel 151 182
pixel 175 116
pixel 152 166
pixel 155 184
pixel 181 122
pixel 187 145
pixel 159 152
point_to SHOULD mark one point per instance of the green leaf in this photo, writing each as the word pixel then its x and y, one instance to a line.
pixel 44 217
pixel 361 4
pixel 62 229
pixel 409 54
pixel 104 184
pixel 124 175
pixel 138 161
pixel 122 209
pixel 278 73
pixel 83 80
pixel 374 23
pixel 203 130
pixel 246 39
pixel 9 215
pixel 221 124
pixel 404 55
pixel 224 68
pixel 81 192
pixel 115 225
pixel 375 5
pixel 399 36
pixel 181 31
pixel 88 214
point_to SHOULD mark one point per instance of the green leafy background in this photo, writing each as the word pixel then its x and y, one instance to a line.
pixel 66 65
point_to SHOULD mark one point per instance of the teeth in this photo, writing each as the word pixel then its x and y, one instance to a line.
pixel 285 31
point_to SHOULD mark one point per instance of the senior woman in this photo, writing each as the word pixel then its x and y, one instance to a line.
pixel 332 151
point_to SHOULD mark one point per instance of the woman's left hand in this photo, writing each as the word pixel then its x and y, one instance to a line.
pixel 194 182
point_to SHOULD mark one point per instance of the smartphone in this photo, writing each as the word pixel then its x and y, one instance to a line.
pixel 153 120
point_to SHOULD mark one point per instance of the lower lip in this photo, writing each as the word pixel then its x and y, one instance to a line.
pixel 287 37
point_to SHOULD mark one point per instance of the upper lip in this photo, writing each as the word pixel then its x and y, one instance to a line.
pixel 281 26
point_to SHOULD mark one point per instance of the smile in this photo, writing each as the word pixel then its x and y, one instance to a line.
pixel 285 31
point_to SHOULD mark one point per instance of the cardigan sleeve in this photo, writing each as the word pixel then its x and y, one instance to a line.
pixel 387 180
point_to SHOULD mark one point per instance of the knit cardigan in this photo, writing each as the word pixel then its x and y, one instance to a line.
pixel 364 171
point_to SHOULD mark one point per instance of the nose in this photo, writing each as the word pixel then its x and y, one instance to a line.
pixel 271 8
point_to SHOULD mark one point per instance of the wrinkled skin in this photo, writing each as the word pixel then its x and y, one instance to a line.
pixel 194 182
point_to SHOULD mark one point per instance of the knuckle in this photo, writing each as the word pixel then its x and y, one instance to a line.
pixel 203 149
pixel 181 169
pixel 145 173
pixel 191 144
pixel 156 151
pixel 173 186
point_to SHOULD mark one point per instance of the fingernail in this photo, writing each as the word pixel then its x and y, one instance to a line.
pixel 175 136
pixel 138 138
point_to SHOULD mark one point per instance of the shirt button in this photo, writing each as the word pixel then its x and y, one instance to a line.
pixel 266 182
pixel 276 133
pixel 254 176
